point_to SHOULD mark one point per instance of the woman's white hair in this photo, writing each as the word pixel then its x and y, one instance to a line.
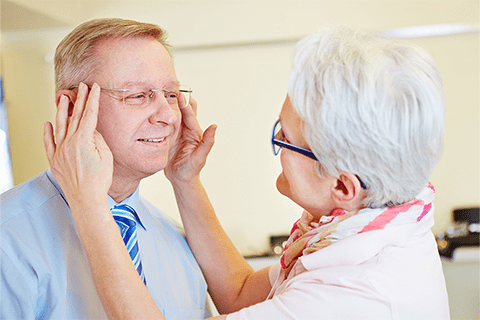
pixel 371 106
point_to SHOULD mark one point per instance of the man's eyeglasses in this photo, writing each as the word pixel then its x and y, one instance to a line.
pixel 278 144
pixel 139 97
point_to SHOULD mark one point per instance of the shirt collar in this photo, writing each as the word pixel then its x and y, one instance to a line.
pixel 133 200
pixel 52 179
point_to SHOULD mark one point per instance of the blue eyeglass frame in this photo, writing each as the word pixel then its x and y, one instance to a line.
pixel 305 152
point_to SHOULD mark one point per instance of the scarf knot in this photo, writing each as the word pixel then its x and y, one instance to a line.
pixel 308 236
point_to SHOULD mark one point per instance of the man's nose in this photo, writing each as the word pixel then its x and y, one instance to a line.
pixel 163 112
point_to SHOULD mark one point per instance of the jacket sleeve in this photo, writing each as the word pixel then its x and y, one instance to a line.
pixel 310 298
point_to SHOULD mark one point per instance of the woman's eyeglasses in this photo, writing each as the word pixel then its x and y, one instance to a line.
pixel 278 144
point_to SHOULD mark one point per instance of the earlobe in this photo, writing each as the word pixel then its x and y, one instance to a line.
pixel 345 188
pixel 348 193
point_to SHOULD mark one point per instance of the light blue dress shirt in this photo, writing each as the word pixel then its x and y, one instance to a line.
pixel 45 273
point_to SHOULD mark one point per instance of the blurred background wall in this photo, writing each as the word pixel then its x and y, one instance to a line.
pixel 236 56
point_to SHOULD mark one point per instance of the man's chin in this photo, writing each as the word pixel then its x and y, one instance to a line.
pixel 151 171
pixel 141 172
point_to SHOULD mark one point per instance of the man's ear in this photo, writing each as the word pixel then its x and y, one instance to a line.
pixel 347 188
pixel 72 97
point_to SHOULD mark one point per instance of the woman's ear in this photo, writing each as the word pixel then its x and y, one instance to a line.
pixel 347 191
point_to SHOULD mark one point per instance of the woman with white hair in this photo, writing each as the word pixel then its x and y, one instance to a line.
pixel 359 134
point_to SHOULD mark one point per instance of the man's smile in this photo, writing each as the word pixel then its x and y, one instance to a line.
pixel 156 140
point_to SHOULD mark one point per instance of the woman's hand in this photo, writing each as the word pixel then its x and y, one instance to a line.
pixel 189 154
pixel 78 155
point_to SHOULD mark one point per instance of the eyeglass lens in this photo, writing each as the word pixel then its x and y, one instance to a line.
pixel 141 97
pixel 187 93
pixel 277 134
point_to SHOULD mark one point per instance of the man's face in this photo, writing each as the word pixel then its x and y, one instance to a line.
pixel 140 138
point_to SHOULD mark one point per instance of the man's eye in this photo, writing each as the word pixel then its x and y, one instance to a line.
pixel 171 95
pixel 136 99
pixel 140 95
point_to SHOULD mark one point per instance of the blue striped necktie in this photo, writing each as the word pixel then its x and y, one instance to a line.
pixel 125 217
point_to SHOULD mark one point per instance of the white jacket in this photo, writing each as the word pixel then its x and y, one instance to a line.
pixel 393 273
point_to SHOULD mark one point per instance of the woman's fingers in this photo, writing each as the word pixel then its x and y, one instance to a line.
pixel 104 152
pixel 89 119
pixel 207 142
pixel 61 119
pixel 189 116
pixel 80 159
pixel 84 116
pixel 78 108
pixel 49 141
pixel 193 105
pixel 81 124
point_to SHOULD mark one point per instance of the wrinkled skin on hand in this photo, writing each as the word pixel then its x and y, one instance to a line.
pixel 189 154
pixel 78 156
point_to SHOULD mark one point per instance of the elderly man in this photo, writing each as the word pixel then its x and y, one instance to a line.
pixel 44 270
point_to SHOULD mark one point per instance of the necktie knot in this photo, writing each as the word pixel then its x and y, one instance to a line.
pixel 124 215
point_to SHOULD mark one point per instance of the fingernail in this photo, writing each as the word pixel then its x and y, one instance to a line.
pixel 63 98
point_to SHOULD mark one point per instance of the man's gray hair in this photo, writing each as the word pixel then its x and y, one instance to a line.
pixel 75 58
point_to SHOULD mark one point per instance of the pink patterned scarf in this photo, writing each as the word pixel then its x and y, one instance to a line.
pixel 307 236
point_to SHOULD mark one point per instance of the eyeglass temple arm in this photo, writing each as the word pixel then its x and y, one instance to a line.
pixel 109 89
pixel 309 154
pixel 305 152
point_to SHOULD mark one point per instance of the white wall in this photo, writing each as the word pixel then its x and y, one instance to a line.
pixel 241 85
pixel 242 90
